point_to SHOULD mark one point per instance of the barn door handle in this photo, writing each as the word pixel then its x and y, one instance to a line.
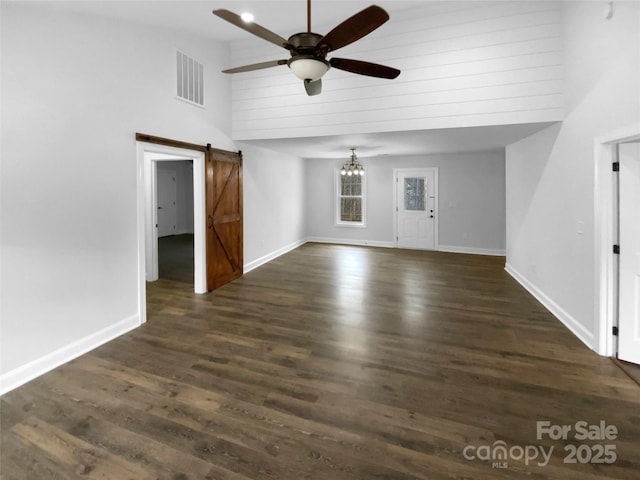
pixel 209 221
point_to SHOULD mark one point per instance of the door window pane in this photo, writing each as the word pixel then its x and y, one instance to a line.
pixel 414 194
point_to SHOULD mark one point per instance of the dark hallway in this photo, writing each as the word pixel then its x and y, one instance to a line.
pixel 175 258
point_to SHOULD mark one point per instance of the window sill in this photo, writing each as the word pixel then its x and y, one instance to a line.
pixel 351 225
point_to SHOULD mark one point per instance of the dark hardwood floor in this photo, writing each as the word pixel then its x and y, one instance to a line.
pixel 631 369
pixel 330 362
pixel 175 258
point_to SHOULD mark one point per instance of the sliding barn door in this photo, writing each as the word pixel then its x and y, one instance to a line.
pixel 224 217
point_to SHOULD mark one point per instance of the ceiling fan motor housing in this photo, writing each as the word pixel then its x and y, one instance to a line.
pixel 303 43
pixel 307 61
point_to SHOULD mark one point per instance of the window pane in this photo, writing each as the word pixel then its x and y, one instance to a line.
pixel 351 210
pixel 414 194
pixel 351 185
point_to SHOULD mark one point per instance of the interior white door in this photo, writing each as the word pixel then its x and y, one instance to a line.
pixel 629 280
pixel 167 198
pixel 416 208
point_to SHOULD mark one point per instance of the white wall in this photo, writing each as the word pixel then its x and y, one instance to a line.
pixel 184 192
pixel 273 202
pixel 463 64
pixel 471 197
pixel 550 175
pixel 75 90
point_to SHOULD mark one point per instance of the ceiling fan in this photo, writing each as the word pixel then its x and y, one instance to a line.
pixel 309 50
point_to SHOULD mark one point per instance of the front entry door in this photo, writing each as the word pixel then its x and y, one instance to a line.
pixel 224 217
pixel 416 208
pixel 629 284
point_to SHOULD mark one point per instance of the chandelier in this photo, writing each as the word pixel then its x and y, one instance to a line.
pixel 352 166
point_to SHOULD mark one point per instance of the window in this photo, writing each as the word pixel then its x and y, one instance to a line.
pixel 350 199
pixel 414 194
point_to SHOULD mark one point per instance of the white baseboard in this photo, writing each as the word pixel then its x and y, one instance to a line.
pixel 23 374
pixel 344 241
pixel 571 323
pixel 270 256
pixel 376 243
pixel 472 250
pixel 292 246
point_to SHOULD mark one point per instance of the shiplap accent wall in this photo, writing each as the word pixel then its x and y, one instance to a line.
pixel 463 64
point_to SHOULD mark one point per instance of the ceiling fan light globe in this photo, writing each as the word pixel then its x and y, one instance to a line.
pixel 311 69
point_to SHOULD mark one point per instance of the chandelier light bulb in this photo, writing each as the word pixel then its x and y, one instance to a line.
pixel 352 166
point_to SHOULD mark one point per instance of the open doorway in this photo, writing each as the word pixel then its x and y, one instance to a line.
pixel 149 156
pixel 175 210
pixel 617 182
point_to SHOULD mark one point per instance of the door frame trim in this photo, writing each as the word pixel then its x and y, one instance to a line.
pixel 146 185
pixel 604 272
pixel 396 171
pixel 151 212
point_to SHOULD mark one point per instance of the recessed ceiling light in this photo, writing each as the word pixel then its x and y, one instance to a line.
pixel 247 17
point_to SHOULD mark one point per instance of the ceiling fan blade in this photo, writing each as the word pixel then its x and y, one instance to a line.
pixel 354 28
pixel 364 68
pixel 256 66
pixel 251 27
pixel 313 88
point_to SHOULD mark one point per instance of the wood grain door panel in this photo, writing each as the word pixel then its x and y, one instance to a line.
pixel 224 218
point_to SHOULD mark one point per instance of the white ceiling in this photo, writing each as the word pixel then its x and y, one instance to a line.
pixel 286 17
pixel 418 142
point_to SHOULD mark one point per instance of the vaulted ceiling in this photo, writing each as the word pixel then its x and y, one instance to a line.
pixel 286 17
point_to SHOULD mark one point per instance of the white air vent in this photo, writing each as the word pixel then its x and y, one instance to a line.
pixel 190 79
